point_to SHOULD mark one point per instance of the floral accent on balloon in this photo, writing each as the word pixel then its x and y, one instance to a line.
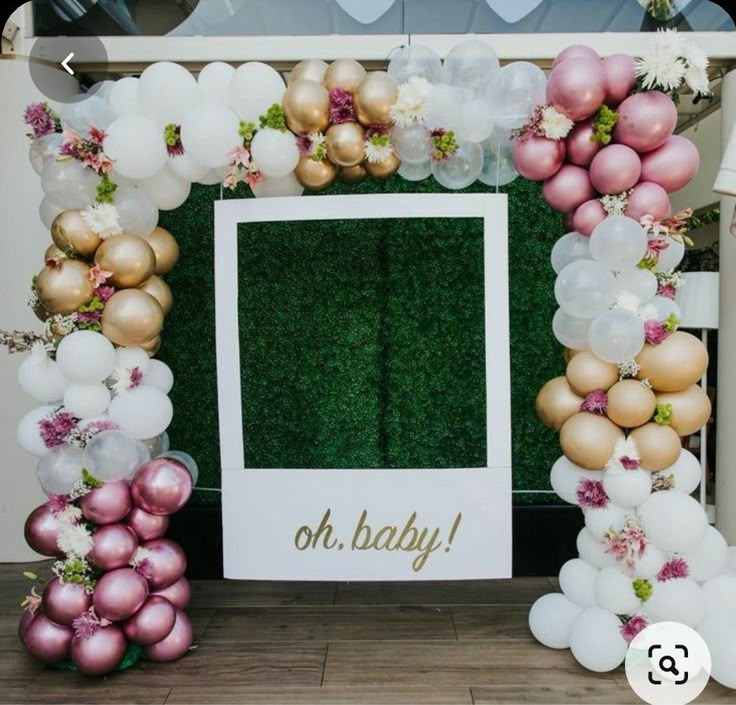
pixel 632 626
pixel 88 624
pixel 662 482
pixel 628 369
pixel 625 457
pixel 312 145
pixel 663 415
pixel 546 121
pixel 615 204
pixel 172 137
pixel 410 107
pixel 603 123
pixel 444 144
pixel 655 332
pixel 378 146
pixel 341 107
pixel 42 119
pixel 590 494
pixel 274 117
pixel 673 569
pixel 103 219
pixel 75 540
pixel 642 588
pixel 627 544
pixel 596 402
pixel 87 150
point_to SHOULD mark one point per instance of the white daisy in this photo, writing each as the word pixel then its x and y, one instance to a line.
pixel 71 514
pixel 554 124
pixel 628 301
pixel 411 104
pixel 659 68
pixel 74 540
pixel 103 219
pixel 377 153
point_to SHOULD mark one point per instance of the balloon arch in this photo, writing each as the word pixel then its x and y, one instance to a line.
pixel 597 131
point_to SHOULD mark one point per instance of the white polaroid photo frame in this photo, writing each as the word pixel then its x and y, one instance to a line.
pixel 383 524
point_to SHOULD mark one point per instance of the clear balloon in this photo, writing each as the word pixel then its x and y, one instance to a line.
pixel 115 454
pixel 91 111
pixel 209 133
pixel 281 186
pixel 69 184
pixel 136 146
pixel 158 445
pixel 618 242
pixel 136 214
pixel 415 60
pixel 214 82
pixel 123 97
pixel 167 92
pixel 515 91
pixel 570 331
pixel 498 164
pixel 617 335
pixel 274 152
pixel 412 144
pixel 60 469
pixel 584 289
pixel 44 150
pixel 570 248
pixel 187 460
pixel 47 211
pixel 469 66
pixel 476 121
pixel 460 169
pixel 415 172
pixel 165 190
pixel 442 107
pixel 254 88
pixel 639 282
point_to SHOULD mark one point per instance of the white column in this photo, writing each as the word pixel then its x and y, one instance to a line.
pixel 726 412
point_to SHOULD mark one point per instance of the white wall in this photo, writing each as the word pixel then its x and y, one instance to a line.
pixel 23 239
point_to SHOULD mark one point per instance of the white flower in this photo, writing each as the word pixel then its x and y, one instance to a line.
pixel 377 153
pixel 80 489
pixel 411 104
pixel 316 140
pixel 103 219
pixel 648 313
pixel 141 554
pixel 669 40
pixel 554 124
pixel 615 205
pixel 697 80
pixel 660 69
pixel 628 369
pixel 40 354
pixel 624 448
pixel 694 56
pixel 628 301
pixel 60 324
pixel 71 514
pixel 74 540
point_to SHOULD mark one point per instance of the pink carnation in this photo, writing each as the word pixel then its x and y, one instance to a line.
pixel 55 430
pixel 633 626
pixel 136 377
pixel 88 624
pixel 57 503
pixel 103 293
pixel 596 402
pixel 304 145
pixel 628 463
pixel 666 290
pixel 655 332
pixel 37 117
pixel 673 569
pixel 591 494
pixel 341 107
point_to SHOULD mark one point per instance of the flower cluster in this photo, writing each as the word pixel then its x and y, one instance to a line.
pixel 675 227
pixel 642 589
pixel 410 107
pixel 673 569
pixel 42 120
pixel 668 283
pixel 103 219
pixel 86 150
pixel 615 204
pixel 545 121
pixel 628 369
pixel 274 117
pixel 627 545
pixel 172 138
pixel 74 540
pixel 312 146
pixel 445 144
pixel 663 414
pixel 590 494
pixel 242 168
pixel 378 144
pixel 19 341
pixel 61 428
pixel 632 626
pixel 142 561
pixel 625 457
pixel 88 624
pixel 341 107
pixel 662 483
pixel 596 402
pixel 603 123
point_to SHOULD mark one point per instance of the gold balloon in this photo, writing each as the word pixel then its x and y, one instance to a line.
pixel 344 73
pixel 345 144
pixel 674 364
pixel 569 354
pixel 586 373
pixel 588 440
pixel 306 107
pixel 690 409
pixel 352 174
pixel 315 175
pixel 308 70
pixel 130 259
pixel 53 252
pixel 152 346
pixel 65 288
pixel 556 403
pixel 165 248
pixel 659 446
pixel 70 232
pixel 132 317
pixel 382 170
pixel 160 290
pixel 374 98
pixel 630 403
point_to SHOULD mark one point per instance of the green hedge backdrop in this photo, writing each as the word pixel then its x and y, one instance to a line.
pixel 362 341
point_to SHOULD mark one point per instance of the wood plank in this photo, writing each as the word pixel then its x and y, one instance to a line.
pixel 714 692
pixel 515 591
pixel 452 663
pixel 260 593
pixel 94 692
pixel 234 695
pixel 590 694
pixel 492 622
pixel 331 623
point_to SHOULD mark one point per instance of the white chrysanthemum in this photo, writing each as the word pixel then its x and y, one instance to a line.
pixel 74 540
pixel 411 104
pixel 628 301
pixel 624 448
pixel 554 124
pixel 71 514
pixel 103 219
pixel 669 40
pixel 122 379
pixel 648 313
pixel 141 554
pixel 377 153
pixel 694 56
pixel 660 68
pixel 697 80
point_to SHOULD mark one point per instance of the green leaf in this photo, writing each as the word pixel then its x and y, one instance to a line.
pixel 30 575
pixel 664 414
pixel 133 654
pixel 90 480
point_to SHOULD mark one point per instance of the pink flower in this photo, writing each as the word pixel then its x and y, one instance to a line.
pixel 103 293
pixel 633 626
pixel 666 290
pixel 88 624
pixel 628 544
pixel 98 276
pixel 240 156
pixel 590 494
pixel 37 117
pixel 376 130
pixel 596 402
pixel 628 463
pixel 655 246
pixel 304 145
pixel 655 332
pixel 341 107
pixel 57 502
pixel 253 177
pixel 96 135
pixel 55 430
pixel 145 568
pixel 673 569
pixel 229 182
pixel 32 601
pixel 89 316
pixel 136 377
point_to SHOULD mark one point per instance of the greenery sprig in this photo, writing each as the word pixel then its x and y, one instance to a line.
pixel 106 189
pixel 603 124
pixel 274 118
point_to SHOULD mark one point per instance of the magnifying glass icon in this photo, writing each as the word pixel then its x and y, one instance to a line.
pixel 670 666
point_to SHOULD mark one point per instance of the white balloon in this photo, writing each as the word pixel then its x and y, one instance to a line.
pixel 165 190
pixel 136 214
pixel 460 169
pixel 686 473
pixel 719 633
pixel 650 563
pixel 123 97
pixel 282 186
pixel 41 377
pixel 185 167
pixel 91 111
pixel 143 412
pixel 677 600
pixel 719 594
pixel 498 165
pixel 214 82
pixel 470 66
pixel 69 184
pixel 515 91
pixel 212 177
pixel 592 550
pixel 577 581
pixel 115 454
pixel 442 107
pixel 102 88
pixel 254 88
pixel 570 248
pixel 43 150
pixel 128 358
pixel 596 641
pixel 86 356
pixel 167 91
pixel 600 520
pixel 618 242
pixel 415 60
pixel 628 488
pixel 616 335
pixel 412 144
pixel 565 478
pixel 673 521
pixel 670 257
pixel 60 469
pixel 415 172
pixel 665 307
pixel 551 618
pixel 275 152
pixel 639 282
pixel 570 331
pixel 476 121
pixel 708 558
pixel 136 145
pixel 29 431
pixel 47 211
pixel 85 400
pixel 585 289
pixel 614 591
pixel 159 375
pixel 209 133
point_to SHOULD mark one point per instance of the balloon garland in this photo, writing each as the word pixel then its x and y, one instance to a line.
pixel 597 132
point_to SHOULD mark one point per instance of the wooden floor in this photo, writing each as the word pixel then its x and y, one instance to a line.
pixel 382 643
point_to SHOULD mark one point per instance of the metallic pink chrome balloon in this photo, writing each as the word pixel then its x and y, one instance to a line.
pixel 107 504
pixel 166 563
pixel 25 620
pixel 99 653
pixel 577 87
pixel 41 531
pixel 581 148
pixel 178 594
pixel 588 216
pixel 645 121
pixel 620 70
pixel 152 622
pixel 64 602
pixel 119 594
pixel 176 644
pixel 147 526
pixel 568 188
pixel 615 169
pixel 673 165
pixel 161 486
pixel 113 546
pixel 576 51
pixel 47 641
pixel 538 158
pixel 648 199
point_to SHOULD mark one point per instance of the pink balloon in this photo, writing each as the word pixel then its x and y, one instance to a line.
pixel 41 531
pixel 161 486
pixel 538 158
pixel 25 620
pixel 620 70
pixel 588 216
pixel 568 188
pixel 64 602
pixel 576 51
pixel 672 165
pixel 113 546
pixel 147 526
pixel 176 644
pixel 648 199
pixel 178 594
pixel 119 594
pixel 581 148
pixel 577 87
pixel 152 622
pixel 47 641
pixel 167 563
pixel 107 504
pixel 99 653
pixel 645 121
pixel 614 169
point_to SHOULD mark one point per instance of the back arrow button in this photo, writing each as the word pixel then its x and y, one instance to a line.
pixel 65 64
